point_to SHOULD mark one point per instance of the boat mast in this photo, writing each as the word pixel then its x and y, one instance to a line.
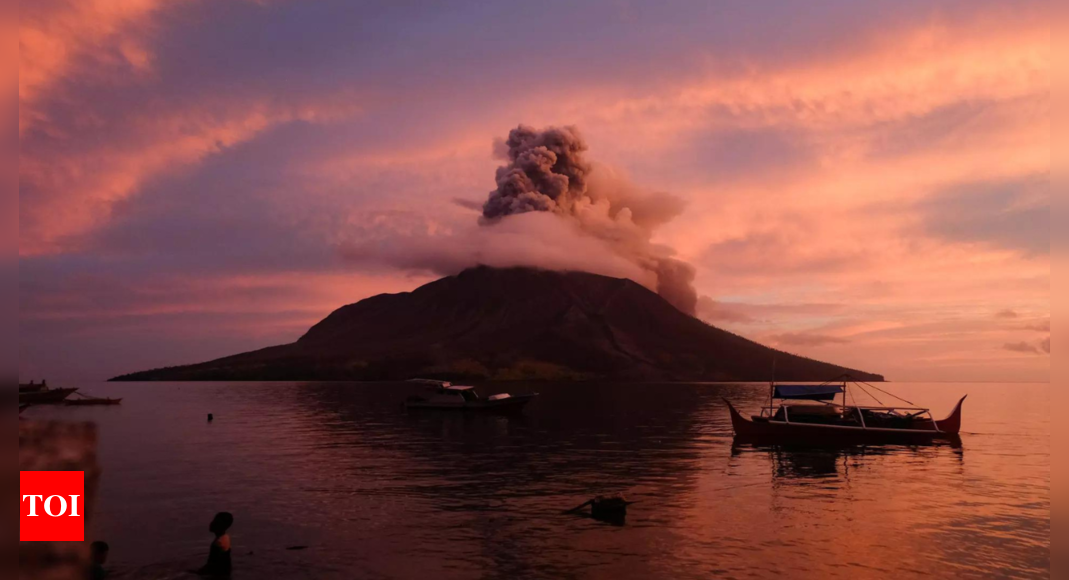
pixel 772 391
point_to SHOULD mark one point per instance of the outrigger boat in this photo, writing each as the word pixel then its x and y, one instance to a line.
pixel 447 396
pixel 87 401
pixel 809 414
pixel 42 395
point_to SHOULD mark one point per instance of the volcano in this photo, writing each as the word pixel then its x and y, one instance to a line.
pixel 512 324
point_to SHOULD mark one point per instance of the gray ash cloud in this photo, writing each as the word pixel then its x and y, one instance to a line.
pixel 547 171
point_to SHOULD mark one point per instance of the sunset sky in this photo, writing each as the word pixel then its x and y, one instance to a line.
pixel 866 183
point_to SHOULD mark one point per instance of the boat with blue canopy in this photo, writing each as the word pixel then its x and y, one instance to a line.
pixel 813 413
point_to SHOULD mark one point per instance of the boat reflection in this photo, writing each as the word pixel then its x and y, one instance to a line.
pixel 809 462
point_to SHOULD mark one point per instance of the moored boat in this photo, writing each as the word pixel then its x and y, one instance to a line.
pixel 45 396
pixel 810 414
pixel 448 397
pixel 32 387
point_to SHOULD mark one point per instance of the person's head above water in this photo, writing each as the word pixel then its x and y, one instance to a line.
pixel 99 552
pixel 221 524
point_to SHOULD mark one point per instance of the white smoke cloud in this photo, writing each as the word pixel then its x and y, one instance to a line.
pixel 536 240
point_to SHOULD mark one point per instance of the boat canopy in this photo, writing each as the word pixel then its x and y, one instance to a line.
pixel 809 392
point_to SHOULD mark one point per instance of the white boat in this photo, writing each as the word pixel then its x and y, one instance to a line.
pixel 447 396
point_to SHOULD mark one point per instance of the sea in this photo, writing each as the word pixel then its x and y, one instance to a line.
pixel 339 481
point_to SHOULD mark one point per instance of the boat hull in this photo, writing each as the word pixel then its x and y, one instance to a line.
pixel 50 397
pixel 511 405
pixel 770 431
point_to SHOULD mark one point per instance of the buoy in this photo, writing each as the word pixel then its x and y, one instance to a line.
pixel 211 417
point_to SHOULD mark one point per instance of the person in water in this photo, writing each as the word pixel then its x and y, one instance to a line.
pixel 218 565
pixel 98 553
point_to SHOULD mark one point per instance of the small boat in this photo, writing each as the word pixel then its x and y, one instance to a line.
pixel 446 396
pixel 91 402
pixel 45 396
pixel 808 414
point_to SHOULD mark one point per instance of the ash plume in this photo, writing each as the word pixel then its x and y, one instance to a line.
pixel 546 171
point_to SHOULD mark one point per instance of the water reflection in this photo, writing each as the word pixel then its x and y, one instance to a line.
pixel 377 492
pixel 491 488
pixel 479 461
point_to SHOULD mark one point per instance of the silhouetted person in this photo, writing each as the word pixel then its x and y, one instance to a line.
pixel 98 554
pixel 218 565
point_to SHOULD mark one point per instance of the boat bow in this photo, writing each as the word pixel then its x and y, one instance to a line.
pixel 741 425
pixel 952 424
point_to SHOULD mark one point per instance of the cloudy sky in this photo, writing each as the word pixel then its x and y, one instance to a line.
pixel 862 182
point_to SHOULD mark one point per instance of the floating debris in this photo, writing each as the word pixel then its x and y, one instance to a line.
pixel 611 509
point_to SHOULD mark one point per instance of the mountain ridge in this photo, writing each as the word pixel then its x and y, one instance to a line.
pixel 507 324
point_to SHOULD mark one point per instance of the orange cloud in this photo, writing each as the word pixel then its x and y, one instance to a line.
pixel 898 74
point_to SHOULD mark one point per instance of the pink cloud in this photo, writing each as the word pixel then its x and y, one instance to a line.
pixel 54 35
pixel 77 192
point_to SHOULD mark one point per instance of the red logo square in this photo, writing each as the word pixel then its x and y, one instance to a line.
pixel 53 506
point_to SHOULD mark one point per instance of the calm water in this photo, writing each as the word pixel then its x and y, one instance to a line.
pixel 375 492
